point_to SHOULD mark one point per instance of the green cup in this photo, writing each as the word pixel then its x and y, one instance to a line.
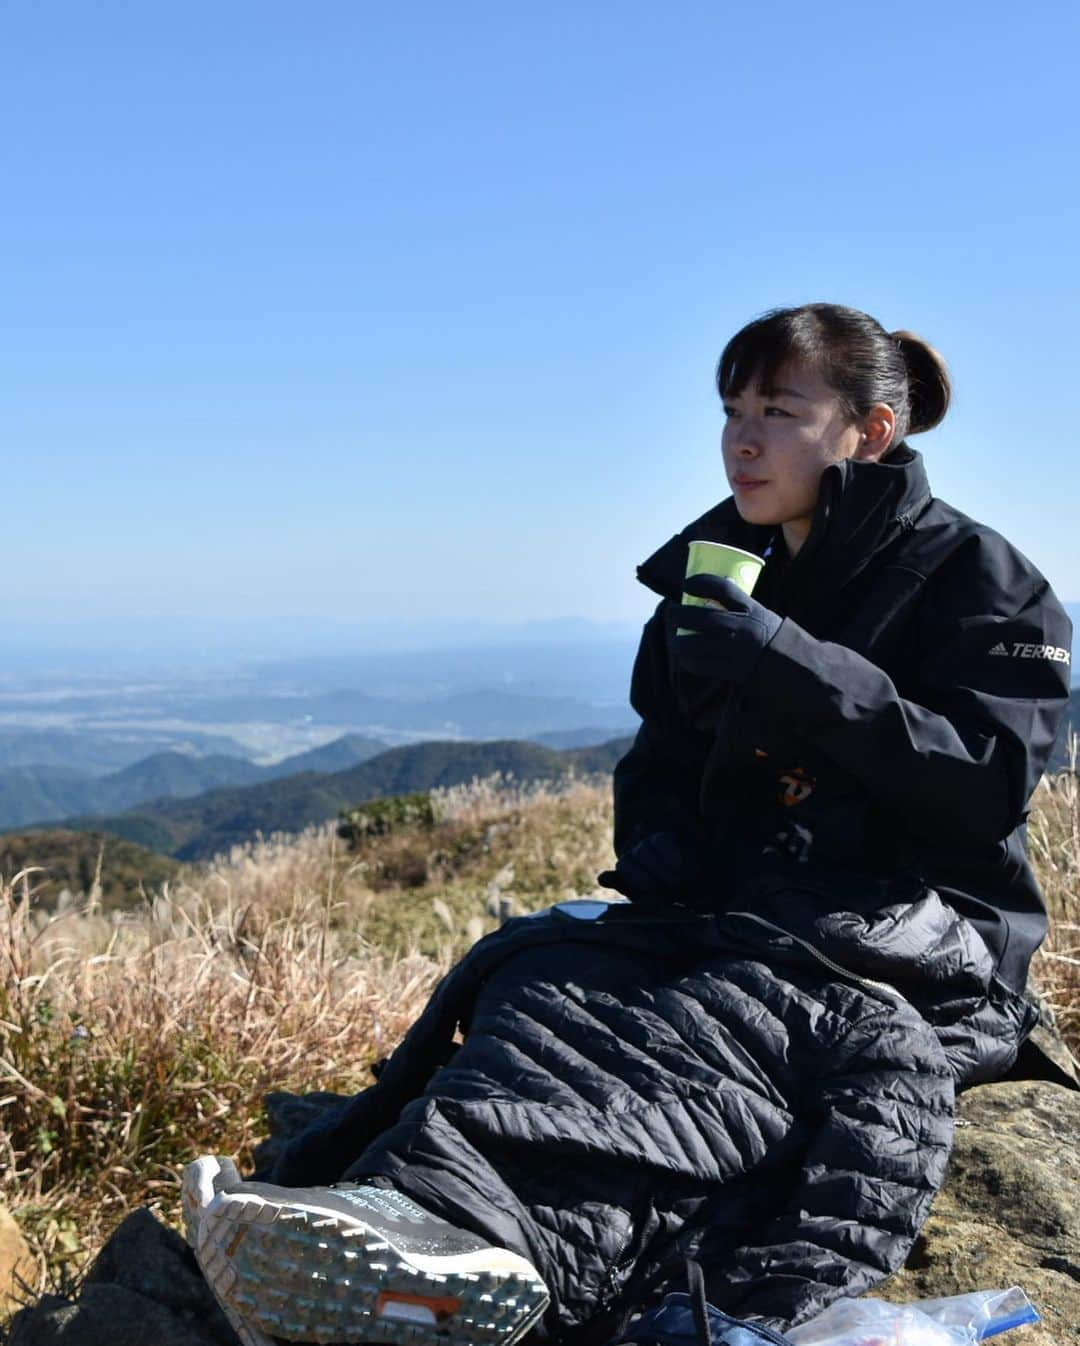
pixel 716 558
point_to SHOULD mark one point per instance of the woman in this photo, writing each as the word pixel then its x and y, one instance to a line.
pixel 752 1063
pixel 888 699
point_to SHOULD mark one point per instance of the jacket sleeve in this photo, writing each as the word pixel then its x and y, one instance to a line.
pixel 655 782
pixel 881 1124
pixel 963 750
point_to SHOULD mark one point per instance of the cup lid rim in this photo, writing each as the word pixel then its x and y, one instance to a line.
pixel 750 556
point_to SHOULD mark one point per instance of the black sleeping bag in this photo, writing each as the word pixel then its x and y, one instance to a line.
pixel 609 1096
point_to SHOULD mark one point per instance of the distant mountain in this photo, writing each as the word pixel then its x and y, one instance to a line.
pixel 93 753
pixel 173 775
pixel 41 794
pixel 344 752
pixel 31 794
pixel 70 860
pixel 572 738
pixel 199 827
pixel 34 795
pixel 598 757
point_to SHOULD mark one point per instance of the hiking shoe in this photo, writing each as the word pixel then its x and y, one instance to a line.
pixel 202 1181
pixel 359 1263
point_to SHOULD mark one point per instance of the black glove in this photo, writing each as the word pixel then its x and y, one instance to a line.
pixel 725 642
pixel 663 865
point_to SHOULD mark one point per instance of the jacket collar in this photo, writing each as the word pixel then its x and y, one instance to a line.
pixel 861 507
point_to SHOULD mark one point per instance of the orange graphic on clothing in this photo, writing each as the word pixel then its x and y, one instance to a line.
pixel 797 786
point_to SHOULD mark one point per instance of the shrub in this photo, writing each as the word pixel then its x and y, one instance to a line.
pixel 381 817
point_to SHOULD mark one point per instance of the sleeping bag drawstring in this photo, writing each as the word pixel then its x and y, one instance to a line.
pixel 699 1304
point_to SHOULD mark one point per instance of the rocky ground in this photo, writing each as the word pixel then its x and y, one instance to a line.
pixel 1010 1210
pixel 1008 1214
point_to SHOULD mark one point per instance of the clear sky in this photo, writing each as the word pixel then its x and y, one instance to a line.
pixel 366 311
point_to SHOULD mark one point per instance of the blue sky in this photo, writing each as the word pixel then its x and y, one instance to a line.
pixel 409 313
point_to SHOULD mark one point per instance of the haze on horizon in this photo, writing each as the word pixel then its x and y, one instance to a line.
pixel 337 321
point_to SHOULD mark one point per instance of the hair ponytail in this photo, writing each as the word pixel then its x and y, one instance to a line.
pixel 854 354
pixel 929 385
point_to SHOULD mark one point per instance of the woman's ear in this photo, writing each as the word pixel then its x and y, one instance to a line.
pixel 877 434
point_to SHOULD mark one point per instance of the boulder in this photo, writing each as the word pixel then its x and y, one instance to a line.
pixel 144 1289
pixel 108 1315
pixel 1009 1213
pixel 18 1266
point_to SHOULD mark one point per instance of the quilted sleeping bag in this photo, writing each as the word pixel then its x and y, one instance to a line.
pixel 611 1089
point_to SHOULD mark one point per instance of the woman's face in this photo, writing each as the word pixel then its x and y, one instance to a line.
pixel 778 441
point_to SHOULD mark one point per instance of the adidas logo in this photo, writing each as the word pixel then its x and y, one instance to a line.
pixel 1056 653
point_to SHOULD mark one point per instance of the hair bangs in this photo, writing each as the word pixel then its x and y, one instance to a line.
pixel 758 352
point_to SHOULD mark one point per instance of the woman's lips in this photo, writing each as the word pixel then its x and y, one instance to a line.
pixel 748 485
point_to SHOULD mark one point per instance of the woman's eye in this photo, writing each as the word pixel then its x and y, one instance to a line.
pixel 776 411
pixel 729 412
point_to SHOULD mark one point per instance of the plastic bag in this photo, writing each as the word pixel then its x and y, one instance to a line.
pixel 987 1312
pixel 957 1321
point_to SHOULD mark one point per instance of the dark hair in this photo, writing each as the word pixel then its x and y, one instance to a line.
pixel 855 356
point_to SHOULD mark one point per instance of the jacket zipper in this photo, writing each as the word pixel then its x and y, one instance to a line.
pixel 881 986
pixel 904 523
pixel 620 1262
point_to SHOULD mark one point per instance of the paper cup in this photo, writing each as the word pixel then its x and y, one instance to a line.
pixel 716 558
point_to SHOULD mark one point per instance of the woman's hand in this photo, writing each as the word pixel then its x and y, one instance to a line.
pixel 664 867
pixel 727 640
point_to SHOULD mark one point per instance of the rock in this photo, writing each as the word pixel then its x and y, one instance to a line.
pixel 1009 1213
pixel 144 1289
pixel 1044 1056
pixel 18 1265
pixel 107 1315
pixel 147 1257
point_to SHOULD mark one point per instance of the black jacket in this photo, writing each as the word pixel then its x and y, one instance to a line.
pixel 768 1089
pixel 653 1084
pixel 896 724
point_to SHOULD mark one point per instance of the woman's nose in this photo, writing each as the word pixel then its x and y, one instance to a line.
pixel 745 441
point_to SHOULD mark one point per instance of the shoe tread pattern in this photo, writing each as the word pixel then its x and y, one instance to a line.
pixel 302 1276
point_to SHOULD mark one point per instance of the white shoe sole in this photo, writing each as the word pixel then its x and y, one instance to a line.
pixel 300 1273
pixel 197 1189
pixel 196 1193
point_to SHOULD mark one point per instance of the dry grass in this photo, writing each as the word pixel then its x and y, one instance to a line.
pixel 1054 839
pixel 131 1042
pixel 131 1045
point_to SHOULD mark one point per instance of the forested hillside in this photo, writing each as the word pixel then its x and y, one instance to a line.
pixel 33 794
pixel 199 827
